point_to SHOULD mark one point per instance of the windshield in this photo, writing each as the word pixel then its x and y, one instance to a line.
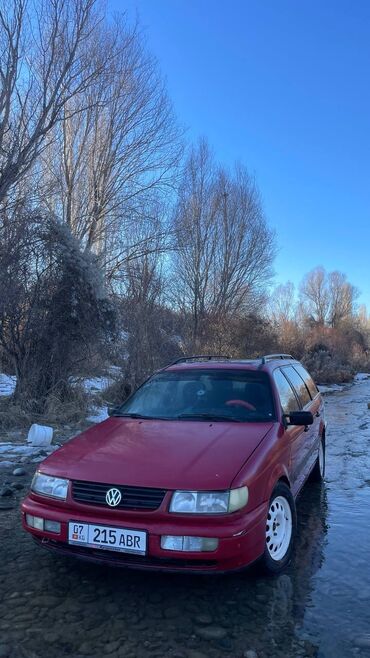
pixel 209 395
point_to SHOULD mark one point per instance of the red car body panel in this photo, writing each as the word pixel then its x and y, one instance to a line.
pixel 241 540
pixel 164 454
pixel 173 455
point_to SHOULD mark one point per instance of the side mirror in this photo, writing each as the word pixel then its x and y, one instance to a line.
pixel 299 418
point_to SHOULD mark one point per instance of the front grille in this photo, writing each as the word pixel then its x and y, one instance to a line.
pixel 134 498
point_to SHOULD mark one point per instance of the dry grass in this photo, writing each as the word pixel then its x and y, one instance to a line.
pixel 67 409
pixel 13 416
pixel 73 408
pixel 115 394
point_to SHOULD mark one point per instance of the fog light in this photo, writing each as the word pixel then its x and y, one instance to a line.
pixel 195 544
pixel 35 522
pixel 52 526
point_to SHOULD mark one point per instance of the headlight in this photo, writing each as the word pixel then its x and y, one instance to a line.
pixel 46 485
pixel 209 502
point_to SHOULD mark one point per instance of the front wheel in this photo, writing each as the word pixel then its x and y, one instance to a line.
pixel 281 524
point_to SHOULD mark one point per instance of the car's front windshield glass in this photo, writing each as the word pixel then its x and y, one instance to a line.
pixel 208 395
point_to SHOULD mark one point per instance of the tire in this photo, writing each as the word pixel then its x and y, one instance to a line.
pixel 318 471
pixel 279 542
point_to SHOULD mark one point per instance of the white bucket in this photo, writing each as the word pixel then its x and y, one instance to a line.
pixel 40 435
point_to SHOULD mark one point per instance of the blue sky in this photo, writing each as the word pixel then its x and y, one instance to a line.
pixel 284 87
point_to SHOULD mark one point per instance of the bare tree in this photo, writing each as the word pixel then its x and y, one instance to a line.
pixel 343 296
pixel 120 146
pixel 282 304
pixel 315 295
pixel 195 236
pixel 244 245
pixel 224 248
pixel 327 298
pixel 287 319
pixel 47 59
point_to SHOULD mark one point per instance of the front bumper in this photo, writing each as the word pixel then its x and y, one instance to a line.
pixel 241 537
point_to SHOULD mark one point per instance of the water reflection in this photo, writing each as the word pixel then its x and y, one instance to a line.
pixel 213 615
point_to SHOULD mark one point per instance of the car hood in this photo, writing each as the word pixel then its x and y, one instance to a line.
pixel 156 453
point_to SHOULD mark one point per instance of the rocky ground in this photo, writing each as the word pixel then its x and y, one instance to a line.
pixel 52 607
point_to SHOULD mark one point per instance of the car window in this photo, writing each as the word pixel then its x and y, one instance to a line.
pixel 287 396
pixel 307 380
pixel 298 385
pixel 243 395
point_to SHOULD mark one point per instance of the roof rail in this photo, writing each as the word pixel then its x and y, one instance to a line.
pixel 270 357
pixel 199 357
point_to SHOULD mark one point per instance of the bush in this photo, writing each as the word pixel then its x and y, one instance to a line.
pixel 116 393
pixel 327 369
pixel 54 312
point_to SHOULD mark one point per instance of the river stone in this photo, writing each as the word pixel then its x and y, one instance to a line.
pixel 17 485
pixel 46 601
pixel 363 641
pixel 172 612
pixel 6 464
pixel 226 644
pixel 6 491
pixel 52 636
pixel 211 632
pixel 112 646
pixel 6 504
pixel 203 619
pixel 19 471
pixel 155 597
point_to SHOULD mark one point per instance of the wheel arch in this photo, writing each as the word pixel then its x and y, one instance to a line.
pixel 284 479
pixel 279 474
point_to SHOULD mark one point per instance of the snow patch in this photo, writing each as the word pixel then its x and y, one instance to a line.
pixel 13 452
pixel 7 384
pixel 93 384
pixel 98 414
pixel 97 383
pixel 331 388
pixel 90 384
pixel 361 376
pixel 115 370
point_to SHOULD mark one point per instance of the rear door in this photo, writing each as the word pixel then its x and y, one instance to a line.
pixel 306 449
pixel 317 407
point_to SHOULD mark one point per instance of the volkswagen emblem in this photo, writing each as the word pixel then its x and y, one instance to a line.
pixel 113 497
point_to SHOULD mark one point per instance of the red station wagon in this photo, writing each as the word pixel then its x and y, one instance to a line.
pixel 197 471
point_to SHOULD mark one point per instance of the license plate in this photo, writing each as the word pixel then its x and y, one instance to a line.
pixel 107 537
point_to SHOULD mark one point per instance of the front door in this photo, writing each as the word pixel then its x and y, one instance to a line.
pixel 295 433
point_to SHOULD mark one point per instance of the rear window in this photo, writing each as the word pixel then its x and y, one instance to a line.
pixel 307 380
pixel 287 396
pixel 239 395
pixel 298 384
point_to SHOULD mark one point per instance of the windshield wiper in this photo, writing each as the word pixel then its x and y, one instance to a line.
pixel 131 415
pixel 210 417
